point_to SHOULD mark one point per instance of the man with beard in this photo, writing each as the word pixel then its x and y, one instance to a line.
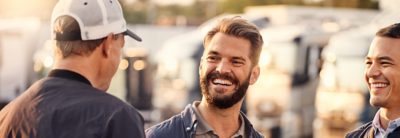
pixel 382 75
pixel 228 66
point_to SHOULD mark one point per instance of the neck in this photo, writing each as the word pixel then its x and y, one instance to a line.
pixel 386 115
pixel 82 65
pixel 225 122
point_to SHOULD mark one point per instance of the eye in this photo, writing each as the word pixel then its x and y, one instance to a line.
pixel 385 64
pixel 237 63
pixel 368 63
pixel 212 58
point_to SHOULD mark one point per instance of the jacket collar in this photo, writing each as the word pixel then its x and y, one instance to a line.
pixel 190 121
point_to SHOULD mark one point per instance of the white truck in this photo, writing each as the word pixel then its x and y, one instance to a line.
pixel 282 102
pixel 19 39
pixel 341 93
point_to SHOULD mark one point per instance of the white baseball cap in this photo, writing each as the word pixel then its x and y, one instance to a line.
pixel 96 19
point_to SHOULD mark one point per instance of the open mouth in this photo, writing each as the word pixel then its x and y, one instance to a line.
pixel 223 82
pixel 379 85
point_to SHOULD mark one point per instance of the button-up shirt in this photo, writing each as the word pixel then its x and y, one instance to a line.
pixel 380 132
pixel 206 131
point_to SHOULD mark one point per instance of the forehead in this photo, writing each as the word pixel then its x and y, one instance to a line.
pixel 385 46
pixel 229 45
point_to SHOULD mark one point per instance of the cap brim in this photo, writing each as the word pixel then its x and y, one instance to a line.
pixel 133 35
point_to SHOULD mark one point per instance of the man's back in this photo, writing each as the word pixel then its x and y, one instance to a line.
pixel 58 107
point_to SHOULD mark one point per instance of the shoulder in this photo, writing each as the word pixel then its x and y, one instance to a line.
pixel 255 134
pixel 67 96
pixel 125 122
pixel 250 131
pixel 173 127
pixel 78 93
pixel 167 128
pixel 360 131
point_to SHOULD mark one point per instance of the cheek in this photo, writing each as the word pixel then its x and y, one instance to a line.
pixel 393 77
pixel 243 73
pixel 395 84
pixel 204 69
pixel 366 79
pixel 203 73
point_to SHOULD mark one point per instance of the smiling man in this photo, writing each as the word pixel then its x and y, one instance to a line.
pixel 228 66
pixel 382 75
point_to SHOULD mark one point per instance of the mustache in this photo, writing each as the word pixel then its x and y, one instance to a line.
pixel 226 76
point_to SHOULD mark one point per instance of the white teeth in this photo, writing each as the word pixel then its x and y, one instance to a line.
pixel 379 85
pixel 223 82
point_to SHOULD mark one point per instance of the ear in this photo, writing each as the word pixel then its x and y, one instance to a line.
pixel 255 73
pixel 107 45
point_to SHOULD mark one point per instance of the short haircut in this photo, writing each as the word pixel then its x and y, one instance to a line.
pixel 241 28
pixel 67 24
pixel 392 31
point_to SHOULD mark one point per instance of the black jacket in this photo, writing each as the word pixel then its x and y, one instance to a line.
pixel 63 106
pixel 367 131
pixel 184 125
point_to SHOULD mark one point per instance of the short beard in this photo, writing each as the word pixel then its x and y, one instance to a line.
pixel 223 102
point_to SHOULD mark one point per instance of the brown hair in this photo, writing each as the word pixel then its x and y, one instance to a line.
pixel 241 28
pixel 67 24
pixel 392 31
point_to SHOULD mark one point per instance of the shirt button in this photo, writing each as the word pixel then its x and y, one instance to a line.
pixel 188 129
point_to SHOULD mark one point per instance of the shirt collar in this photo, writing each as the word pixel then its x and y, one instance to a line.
pixel 240 132
pixel 203 127
pixel 67 74
pixel 376 123
pixel 393 124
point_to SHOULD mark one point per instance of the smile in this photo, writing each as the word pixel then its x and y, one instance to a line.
pixel 379 85
pixel 222 82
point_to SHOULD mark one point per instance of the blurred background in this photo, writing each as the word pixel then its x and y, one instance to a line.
pixel 311 82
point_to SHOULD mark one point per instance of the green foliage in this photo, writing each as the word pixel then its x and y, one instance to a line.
pixel 201 10
pixel 368 4
pixel 237 6
pixel 136 17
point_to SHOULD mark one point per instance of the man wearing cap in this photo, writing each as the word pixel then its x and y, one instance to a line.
pixel 71 101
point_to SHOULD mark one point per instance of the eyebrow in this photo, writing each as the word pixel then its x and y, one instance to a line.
pixel 234 58
pixel 213 53
pixel 381 58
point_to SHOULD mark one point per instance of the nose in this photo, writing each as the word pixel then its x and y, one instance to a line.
pixel 223 67
pixel 372 71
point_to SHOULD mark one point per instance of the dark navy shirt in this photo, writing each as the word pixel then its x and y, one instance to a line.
pixel 65 105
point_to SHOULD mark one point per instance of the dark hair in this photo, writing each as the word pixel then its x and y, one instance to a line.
pixel 66 24
pixel 241 28
pixel 392 31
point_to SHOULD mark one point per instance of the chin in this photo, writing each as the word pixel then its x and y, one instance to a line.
pixel 376 103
